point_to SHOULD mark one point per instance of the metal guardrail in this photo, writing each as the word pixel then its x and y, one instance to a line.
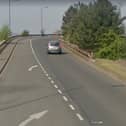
pixel 3 44
pixel 77 49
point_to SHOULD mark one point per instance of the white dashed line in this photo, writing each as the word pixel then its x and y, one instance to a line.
pixel 56 86
pixel 79 117
pixel 72 107
pixel 60 91
pixel 49 78
pixel 65 98
pixel 52 81
pixel 47 75
pixel 45 72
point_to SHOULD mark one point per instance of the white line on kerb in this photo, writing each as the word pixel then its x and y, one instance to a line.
pixel 79 117
pixel 65 98
pixel 60 91
pixel 56 86
pixel 36 56
pixel 72 107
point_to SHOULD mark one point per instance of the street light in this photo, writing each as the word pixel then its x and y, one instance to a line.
pixel 10 15
pixel 42 28
pixel 9 2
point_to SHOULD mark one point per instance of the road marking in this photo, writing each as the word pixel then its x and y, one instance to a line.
pixel 32 67
pixel 56 86
pixel 72 107
pixel 79 117
pixel 49 78
pixel 97 122
pixel 52 81
pixel 60 91
pixel 43 69
pixel 45 72
pixel 47 75
pixel 65 98
pixel 33 117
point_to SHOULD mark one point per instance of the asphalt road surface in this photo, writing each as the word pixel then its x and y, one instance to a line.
pixel 37 89
pixel 31 97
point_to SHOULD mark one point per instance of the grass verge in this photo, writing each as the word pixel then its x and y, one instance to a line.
pixel 116 68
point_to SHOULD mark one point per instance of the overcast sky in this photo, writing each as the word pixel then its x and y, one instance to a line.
pixel 29 16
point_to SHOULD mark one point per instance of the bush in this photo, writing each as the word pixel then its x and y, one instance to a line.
pixel 4 33
pixel 25 33
pixel 113 46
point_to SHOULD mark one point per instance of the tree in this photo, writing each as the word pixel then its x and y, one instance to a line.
pixel 85 25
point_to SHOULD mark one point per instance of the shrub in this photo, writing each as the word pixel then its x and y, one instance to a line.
pixel 25 33
pixel 4 33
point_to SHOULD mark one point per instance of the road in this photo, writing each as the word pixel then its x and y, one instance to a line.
pixel 28 97
pixel 37 89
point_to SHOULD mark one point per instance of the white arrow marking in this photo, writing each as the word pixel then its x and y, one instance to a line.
pixel 32 67
pixel 32 117
pixel 38 115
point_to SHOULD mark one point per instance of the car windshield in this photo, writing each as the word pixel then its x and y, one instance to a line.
pixel 54 43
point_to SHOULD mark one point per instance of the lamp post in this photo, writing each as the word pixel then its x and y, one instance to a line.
pixel 9 12
pixel 42 28
pixel 9 15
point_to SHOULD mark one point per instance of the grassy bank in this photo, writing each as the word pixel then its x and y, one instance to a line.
pixel 115 68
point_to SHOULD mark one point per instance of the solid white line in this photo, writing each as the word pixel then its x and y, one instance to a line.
pixel 72 107
pixel 36 56
pixel 60 91
pixel 56 86
pixel 79 117
pixel 65 98
pixel 52 81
